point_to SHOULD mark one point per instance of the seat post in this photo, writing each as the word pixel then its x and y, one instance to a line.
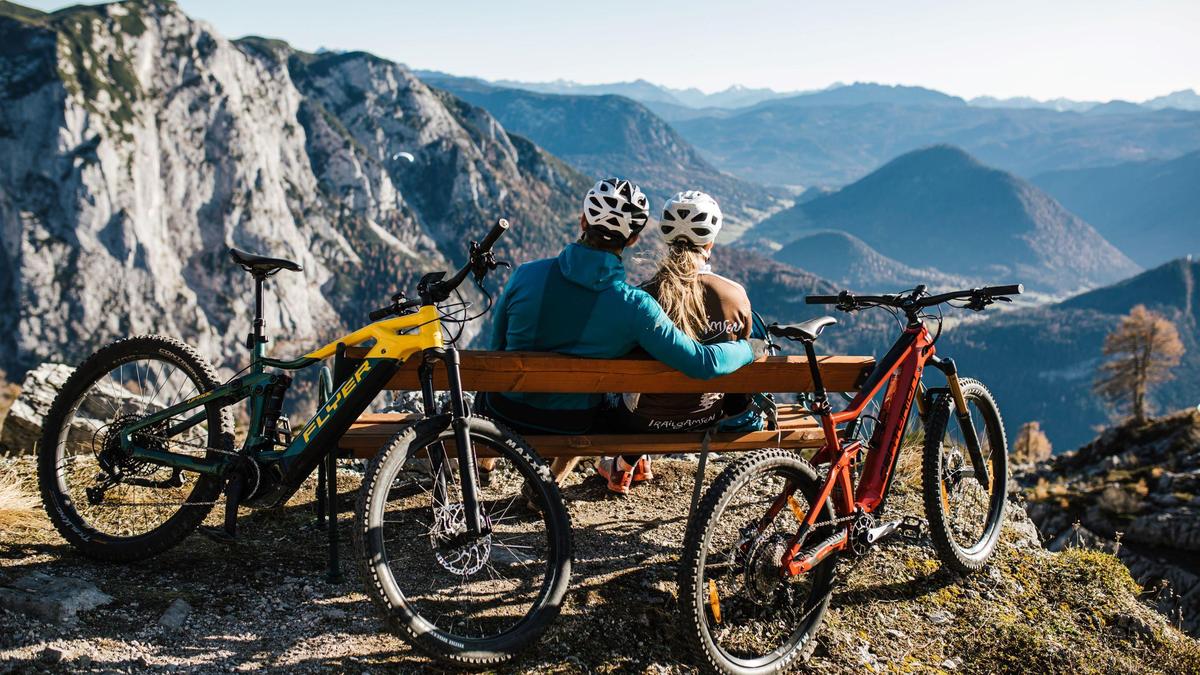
pixel 257 340
pixel 820 396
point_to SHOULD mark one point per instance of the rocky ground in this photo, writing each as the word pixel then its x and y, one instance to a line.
pixel 264 605
pixel 1135 492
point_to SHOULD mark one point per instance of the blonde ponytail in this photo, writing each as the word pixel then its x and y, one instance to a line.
pixel 678 288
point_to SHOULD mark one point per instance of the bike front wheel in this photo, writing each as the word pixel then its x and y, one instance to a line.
pixel 465 600
pixel 965 511
pixel 741 615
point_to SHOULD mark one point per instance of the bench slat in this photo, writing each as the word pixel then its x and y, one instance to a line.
pixel 797 430
pixel 557 373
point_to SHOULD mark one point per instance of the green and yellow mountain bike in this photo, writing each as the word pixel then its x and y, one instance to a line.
pixel 139 446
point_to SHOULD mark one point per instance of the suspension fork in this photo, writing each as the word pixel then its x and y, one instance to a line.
pixel 460 422
pixel 963 415
pixel 437 455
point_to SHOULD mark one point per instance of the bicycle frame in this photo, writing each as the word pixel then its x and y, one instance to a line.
pixel 395 341
pixel 900 370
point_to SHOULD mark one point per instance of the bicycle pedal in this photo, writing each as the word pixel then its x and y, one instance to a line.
pixel 911 528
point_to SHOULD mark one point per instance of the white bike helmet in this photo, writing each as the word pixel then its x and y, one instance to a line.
pixel 617 208
pixel 693 216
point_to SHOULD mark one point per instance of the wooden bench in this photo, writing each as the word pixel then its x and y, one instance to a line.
pixel 536 372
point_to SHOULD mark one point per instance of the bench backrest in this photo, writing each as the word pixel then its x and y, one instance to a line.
pixel 557 373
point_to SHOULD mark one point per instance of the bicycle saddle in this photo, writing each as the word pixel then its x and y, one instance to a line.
pixel 807 331
pixel 261 264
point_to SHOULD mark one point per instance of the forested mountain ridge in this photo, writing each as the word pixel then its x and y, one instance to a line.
pixel 940 208
pixel 613 135
pixel 1150 209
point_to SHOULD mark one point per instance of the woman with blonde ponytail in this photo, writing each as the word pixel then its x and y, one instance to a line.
pixel 706 306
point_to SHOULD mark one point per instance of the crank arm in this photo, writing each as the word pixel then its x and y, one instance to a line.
pixel 883 531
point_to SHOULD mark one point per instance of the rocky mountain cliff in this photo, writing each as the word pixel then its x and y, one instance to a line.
pixel 137 144
pixel 1135 492
pixel 614 135
pixel 940 208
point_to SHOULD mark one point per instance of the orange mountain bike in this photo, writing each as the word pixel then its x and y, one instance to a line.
pixel 760 552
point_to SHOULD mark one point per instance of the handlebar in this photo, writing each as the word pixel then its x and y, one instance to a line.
pixel 498 229
pixel 434 288
pixel 478 262
pixel 911 302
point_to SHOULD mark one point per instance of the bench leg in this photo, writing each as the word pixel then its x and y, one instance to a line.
pixel 334 573
pixel 699 484
pixel 561 466
pixel 320 502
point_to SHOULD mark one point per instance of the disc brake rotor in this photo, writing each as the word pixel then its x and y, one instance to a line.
pixel 449 528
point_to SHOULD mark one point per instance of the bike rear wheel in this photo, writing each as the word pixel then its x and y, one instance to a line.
pixel 105 503
pixel 740 615
pixel 965 516
pixel 465 601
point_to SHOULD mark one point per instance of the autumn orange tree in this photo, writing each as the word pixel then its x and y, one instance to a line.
pixel 1141 352
pixel 1032 445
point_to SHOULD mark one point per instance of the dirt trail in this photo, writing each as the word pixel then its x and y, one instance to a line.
pixel 264 605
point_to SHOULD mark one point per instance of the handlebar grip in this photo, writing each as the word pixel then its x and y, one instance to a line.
pixel 381 313
pixel 500 228
pixel 822 299
pixel 1011 289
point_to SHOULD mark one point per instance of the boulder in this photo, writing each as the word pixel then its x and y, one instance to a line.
pixel 51 599
pixel 23 425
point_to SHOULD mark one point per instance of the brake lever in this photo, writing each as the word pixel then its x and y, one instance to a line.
pixel 482 263
pixel 978 303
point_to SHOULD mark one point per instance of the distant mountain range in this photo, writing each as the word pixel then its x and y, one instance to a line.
pixel 837 136
pixel 1041 362
pixel 738 96
pixel 1150 210
pixel 614 135
pixel 939 208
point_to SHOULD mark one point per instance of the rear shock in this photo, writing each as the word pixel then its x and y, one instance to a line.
pixel 276 428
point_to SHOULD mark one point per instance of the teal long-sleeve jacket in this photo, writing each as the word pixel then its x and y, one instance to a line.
pixel 580 304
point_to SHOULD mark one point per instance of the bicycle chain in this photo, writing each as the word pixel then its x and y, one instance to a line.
pixel 168 440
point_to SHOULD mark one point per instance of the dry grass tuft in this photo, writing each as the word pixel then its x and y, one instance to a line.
pixel 18 507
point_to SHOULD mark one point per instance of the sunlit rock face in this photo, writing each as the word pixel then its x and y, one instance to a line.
pixel 137 145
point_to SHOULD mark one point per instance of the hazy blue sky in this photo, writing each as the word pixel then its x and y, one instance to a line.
pixel 1082 49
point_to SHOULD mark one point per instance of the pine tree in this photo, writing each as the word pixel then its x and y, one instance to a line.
pixel 1141 351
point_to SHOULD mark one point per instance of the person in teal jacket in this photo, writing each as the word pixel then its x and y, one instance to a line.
pixel 579 303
